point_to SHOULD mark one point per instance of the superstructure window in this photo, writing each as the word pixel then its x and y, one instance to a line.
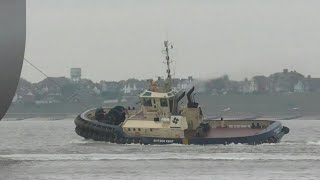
pixel 147 102
pixel 147 94
pixel 163 102
pixel 129 129
pixel 139 129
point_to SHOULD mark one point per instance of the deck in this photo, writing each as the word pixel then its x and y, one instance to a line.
pixel 232 132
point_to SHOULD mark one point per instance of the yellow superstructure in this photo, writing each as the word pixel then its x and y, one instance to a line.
pixel 160 114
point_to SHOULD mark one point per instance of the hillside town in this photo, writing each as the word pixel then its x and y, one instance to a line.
pixel 74 89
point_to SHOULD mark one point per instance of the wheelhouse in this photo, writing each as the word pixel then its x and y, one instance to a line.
pixel 155 101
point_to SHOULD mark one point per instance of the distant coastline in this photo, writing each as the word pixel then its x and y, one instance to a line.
pixel 282 95
pixel 276 106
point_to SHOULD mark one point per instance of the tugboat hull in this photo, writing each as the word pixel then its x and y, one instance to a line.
pixel 92 129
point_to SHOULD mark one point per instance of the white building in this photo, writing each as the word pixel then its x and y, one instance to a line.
pixel 127 89
pixel 96 90
pixel 183 85
pixel 299 87
pixel 247 87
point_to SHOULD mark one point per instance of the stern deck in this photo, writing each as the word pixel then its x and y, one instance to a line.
pixel 232 132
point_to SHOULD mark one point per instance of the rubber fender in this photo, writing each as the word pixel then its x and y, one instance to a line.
pixel 99 114
pixel 285 129
pixel 116 115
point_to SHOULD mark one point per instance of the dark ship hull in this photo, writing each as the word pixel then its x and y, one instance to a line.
pixel 12 43
pixel 98 131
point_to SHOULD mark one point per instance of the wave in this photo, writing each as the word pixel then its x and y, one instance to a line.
pixel 162 156
pixel 82 141
pixel 313 143
pixel 88 141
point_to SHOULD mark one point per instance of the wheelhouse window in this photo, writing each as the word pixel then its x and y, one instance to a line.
pixel 163 102
pixel 147 102
pixel 147 94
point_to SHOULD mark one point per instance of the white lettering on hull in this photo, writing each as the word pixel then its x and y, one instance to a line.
pixel 163 141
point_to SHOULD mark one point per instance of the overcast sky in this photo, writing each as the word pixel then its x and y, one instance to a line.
pixel 114 40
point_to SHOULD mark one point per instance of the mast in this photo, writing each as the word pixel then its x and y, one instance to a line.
pixel 168 62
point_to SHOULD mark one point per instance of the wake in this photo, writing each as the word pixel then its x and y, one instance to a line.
pixel 161 156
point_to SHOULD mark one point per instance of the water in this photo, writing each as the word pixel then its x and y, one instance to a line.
pixel 42 149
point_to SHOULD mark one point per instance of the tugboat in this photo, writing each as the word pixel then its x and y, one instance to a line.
pixel 160 120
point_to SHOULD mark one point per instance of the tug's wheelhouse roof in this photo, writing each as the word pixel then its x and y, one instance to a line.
pixel 152 94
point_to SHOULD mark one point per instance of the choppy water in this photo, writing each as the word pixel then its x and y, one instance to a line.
pixel 42 149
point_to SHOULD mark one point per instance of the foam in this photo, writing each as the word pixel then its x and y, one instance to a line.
pixel 162 156
pixel 313 143
pixel 82 141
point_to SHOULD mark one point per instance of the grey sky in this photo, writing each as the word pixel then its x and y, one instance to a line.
pixel 115 40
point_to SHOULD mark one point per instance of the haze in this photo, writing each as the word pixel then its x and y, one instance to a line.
pixel 114 40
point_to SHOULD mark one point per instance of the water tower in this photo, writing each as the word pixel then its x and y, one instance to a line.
pixel 75 74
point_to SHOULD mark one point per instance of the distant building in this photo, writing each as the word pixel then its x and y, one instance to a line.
pixel 109 86
pixel 96 90
pixel 299 87
pixel 129 89
pixel 44 90
pixel 313 84
pixel 285 81
pixel 182 84
pixel 104 86
pixel 75 74
pixel 28 98
pixel 110 101
pixel 126 89
pixel 259 84
pixel 246 86
pixel 47 101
